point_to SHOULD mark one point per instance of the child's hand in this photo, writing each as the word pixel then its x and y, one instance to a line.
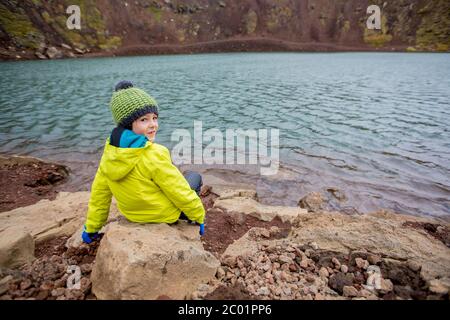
pixel 202 229
pixel 89 237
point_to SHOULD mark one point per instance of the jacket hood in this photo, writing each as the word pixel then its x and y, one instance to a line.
pixel 117 162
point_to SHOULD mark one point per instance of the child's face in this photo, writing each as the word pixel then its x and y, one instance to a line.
pixel 146 125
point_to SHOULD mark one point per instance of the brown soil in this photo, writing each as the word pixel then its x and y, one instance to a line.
pixel 439 232
pixel 28 182
pixel 222 229
pixel 51 247
pixel 239 44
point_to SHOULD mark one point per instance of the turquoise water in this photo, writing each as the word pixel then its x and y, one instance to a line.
pixel 375 125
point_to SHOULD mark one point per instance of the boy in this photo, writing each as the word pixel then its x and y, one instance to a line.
pixel 138 172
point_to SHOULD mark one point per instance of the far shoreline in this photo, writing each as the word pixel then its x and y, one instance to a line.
pixel 253 45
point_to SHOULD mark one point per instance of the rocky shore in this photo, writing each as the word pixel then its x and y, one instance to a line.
pixel 239 44
pixel 250 251
pixel 28 180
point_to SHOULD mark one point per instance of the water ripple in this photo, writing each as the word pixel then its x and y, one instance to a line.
pixel 374 125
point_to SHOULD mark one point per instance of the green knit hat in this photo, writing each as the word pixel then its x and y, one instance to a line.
pixel 129 103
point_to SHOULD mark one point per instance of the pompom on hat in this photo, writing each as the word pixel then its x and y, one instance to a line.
pixel 129 103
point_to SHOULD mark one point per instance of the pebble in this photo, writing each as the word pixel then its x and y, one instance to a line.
pixel 336 262
pixel 304 263
pixel 251 289
pixel 338 280
pixel 263 291
pixel 42 295
pixel 85 285
pixel 386 286
pixel 58 292
pixel 361 263
pixel 220 273
pixel 287 291
pixel 290 249
pixel 285 266
pixel 323 272
pixel 365 293
pixel 278 291
pixel 25 284
pixel 230 261
pixel 350 291
pixel 344 268
pixel 310 278
pixel 293 267
pixel 46 286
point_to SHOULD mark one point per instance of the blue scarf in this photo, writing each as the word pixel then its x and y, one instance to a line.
pixel 124 138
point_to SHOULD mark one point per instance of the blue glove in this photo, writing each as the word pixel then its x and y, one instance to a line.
pixel 202 229
pixel 89 237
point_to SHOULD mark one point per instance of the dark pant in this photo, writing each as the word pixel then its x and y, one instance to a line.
pixel 195 182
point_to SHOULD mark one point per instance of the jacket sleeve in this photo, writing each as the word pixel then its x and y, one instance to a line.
pixel 176 188
pixel 99 203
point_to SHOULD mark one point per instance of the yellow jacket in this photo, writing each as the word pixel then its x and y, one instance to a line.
pixel 146 185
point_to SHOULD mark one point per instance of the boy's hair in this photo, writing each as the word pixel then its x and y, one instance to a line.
pixel 129 103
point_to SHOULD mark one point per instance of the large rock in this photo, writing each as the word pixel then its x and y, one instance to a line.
pixel 54 53
pixel 145 261
pixel 381 233
pixel 16 248
pixel 48 219
pixel 245 201
pixel 40 55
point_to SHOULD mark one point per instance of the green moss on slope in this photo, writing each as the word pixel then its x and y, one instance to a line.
pixel 19 28
pixel 434 30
